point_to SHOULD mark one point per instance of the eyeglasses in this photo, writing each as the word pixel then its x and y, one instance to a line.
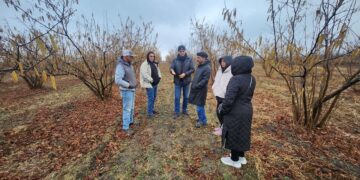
pixel 151 56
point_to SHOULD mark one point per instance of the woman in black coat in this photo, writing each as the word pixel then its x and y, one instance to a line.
pixel 237 111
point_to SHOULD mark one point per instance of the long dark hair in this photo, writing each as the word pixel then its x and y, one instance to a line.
pixel 148 54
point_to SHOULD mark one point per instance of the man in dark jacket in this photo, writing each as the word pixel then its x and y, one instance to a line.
pixel 199 87
pixel 181 68
pixel 237 111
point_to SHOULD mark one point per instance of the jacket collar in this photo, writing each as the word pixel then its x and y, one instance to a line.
pixel 122 61
pixel 227 69
pixel 186 57
pixel 206 62
pixel 149 62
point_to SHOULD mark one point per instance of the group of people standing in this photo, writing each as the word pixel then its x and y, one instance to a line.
pixel 233 88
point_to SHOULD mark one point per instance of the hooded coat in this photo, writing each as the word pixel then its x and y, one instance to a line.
pixel 237 108
pixel 199 85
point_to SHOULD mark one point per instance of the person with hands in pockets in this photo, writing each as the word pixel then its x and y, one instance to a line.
pixel 150 77
pixel 126 80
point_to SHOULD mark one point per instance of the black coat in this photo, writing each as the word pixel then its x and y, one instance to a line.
pixel 199 85
pixel 237 107
pixel 180 66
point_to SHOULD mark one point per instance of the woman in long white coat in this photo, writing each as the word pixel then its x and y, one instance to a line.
pixel 222 78
pixel 150 77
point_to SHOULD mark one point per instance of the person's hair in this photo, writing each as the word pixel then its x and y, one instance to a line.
pixel 148 54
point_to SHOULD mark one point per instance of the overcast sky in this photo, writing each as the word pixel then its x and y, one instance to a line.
pixel 171 18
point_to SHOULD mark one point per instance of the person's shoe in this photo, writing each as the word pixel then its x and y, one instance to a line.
pixel 198 124
pixel 150 116
pixel 176 116
pixel 243 160
pixel 155 112
pixel 218 131
pixel 128 132
pixel 229 162
pixel 135 124
pixel 186 114
pixel 217 128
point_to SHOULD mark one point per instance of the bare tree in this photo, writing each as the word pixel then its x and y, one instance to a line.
pixel 204 37
pixel 139 38
pixel 27 54
pixel 171 55
pixel 309 70
pixel 216 43
pixel 90 53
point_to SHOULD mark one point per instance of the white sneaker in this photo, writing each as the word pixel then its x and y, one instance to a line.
pixel 229 162
pixel 243 160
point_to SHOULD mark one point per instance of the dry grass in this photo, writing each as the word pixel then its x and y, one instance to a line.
pixel 288 151
pixel 18 102
pixel 162 148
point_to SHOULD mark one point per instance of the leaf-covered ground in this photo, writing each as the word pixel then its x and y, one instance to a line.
pixel 67 134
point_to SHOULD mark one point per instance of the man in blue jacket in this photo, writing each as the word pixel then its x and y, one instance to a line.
pixel 126 80
pixel 181 68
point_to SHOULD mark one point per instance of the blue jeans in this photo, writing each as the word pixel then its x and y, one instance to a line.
pixel 201 114
pixel 185 90
pixel 128 100
pixel 151 95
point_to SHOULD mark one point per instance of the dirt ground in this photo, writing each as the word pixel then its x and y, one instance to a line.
pixel 68 134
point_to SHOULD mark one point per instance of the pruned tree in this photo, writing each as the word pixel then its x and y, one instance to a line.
pixel 216 43
pixel 139 38
pixel 27 55
pixel 30 53
pixel 172 53
pixel 4 62
pixel 308 63
pixel 90 53
pixel 96 50
pixel 349 64
pixel 204 38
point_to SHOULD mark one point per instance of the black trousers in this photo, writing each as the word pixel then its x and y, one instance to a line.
pixel 219 101
pixel 235 155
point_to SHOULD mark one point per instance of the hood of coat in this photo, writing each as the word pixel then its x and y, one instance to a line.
pixel 242 65
pixel 228 60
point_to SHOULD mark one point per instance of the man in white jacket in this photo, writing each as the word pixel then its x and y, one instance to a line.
pixel 222 78
pixel 150 76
